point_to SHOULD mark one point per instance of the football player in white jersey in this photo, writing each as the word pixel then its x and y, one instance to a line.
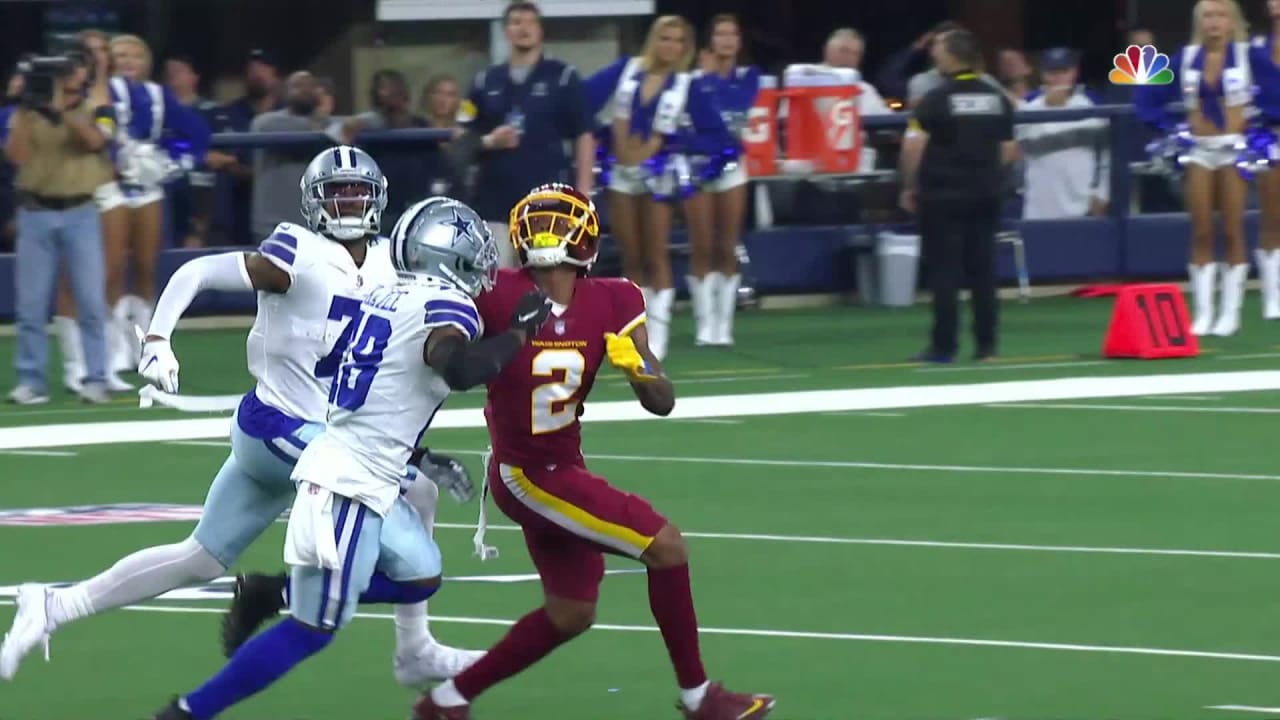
pixel 309 282
pixel 411 347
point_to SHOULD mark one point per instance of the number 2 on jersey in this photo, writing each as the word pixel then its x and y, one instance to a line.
pixel 554 404
pixel 350 388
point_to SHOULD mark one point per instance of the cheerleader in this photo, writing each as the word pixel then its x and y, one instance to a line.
pixel 1268 253
pixel 147 115
pixel 1215 75
pixel 713 265
pixel 657 116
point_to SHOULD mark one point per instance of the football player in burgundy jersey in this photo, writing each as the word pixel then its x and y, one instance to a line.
pixel 537 475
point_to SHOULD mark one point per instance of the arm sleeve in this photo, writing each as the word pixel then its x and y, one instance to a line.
pixel 601 85
pixel 464 365
pixel 575 112
pixel 281 249
pixel 456 310
pixel 750 88
pixel 894 75
pixel 710 135
pixel 225 271
pixel 628 306
pixel 187 123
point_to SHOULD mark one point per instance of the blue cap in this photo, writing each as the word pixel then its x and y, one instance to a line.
pixel 1059 58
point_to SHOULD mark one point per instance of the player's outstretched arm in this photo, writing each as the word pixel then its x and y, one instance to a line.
pixel 226 271
pixel 464 365
pixel 630 353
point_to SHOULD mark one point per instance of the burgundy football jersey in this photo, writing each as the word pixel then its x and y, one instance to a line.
pixel 533 405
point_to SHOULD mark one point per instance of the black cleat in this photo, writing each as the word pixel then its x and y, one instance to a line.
pixel 172 712
pixel 256 599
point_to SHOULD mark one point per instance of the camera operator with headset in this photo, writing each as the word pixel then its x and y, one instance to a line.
pixel 58 143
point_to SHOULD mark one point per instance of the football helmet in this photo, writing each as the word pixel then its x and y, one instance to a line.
pixel 441 238
pixel 555 224
pixel 343 194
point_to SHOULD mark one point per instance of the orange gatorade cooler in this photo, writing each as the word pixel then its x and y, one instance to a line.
pixel 824 129
pixel 760 139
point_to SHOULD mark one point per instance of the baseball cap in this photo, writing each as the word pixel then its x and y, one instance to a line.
pixel 262 56
pixel 1059 58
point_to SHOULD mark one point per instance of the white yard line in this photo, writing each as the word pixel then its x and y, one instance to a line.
pixel 896 542
pixel 1193 398
pixel 982 469
pixel 868 413
pixel 40 453
pixel 1144 408
pixel 1245 708
pixel 810 635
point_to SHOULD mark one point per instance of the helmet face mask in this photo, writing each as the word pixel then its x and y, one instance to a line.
pixel 344 195
pixel 556 225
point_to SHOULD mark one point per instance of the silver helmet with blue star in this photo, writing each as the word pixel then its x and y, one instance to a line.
pixel 442 238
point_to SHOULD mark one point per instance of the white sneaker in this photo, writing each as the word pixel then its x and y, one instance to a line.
pixel 94 393
pixel 433 662
pixel 116 385
pixel 30 628
pixel 27 395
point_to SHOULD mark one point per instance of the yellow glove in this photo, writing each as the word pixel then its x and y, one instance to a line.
pixel 624 356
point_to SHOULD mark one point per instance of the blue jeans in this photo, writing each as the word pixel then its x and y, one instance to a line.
pixel 48 239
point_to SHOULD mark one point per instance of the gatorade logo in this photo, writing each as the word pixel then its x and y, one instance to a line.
pixel 841 123
pixel 759 126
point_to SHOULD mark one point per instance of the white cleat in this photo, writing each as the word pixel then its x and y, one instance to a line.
pixel 433 663
pixel 30 628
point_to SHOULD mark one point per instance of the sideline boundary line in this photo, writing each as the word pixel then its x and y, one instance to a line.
pixel 742 405
pixel 809 635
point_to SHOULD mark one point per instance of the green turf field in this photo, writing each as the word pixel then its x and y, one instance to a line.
pixel 1085 558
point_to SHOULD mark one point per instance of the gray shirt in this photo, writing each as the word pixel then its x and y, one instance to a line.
pixel 921 83
pixel 276 173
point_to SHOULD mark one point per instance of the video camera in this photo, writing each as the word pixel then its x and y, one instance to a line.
pixel 40 73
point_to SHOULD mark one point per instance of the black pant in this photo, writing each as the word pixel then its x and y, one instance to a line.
pixel 958 235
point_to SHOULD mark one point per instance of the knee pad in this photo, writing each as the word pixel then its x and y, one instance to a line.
pixel 424 496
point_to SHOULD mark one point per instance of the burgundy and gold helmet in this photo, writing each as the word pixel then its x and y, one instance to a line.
pixel 555 224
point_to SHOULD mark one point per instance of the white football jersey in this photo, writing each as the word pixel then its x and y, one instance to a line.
pixel 298 337
pixel 385 394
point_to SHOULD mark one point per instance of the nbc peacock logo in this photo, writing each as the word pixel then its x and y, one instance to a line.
pixel 1141 66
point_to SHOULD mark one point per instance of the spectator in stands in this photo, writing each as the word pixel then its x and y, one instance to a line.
pixel 276 170
pixel 904 64
pixel 233 192
pixel 532 121
pixel 441 105
pixel 658 115
pixel 713 262
pixel 1014 73
pixel 191 197
pixel 326 99
pixel 392 110
pixel 922 83
pixel 60 153
pixel 1068 165
pixel 8 227
pixel 845 48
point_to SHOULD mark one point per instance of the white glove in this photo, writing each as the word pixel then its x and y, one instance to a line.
pixel 159 366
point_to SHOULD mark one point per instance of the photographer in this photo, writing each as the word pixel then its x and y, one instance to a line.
pixel 61 159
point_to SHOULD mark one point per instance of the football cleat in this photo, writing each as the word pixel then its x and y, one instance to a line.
pixel 433 662
pixel 426 709
pixel 172 711
pixel 720 704
pixel 256 599
pixel 30 628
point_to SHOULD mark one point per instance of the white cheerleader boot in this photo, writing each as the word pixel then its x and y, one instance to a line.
pixel 1202 277
pixel 1269 278
pixel 1233 279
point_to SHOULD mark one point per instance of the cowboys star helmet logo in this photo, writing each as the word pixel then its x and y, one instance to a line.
pixel 462 227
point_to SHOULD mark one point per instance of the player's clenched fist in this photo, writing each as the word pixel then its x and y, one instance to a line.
pixel 159 366
pixel 530 313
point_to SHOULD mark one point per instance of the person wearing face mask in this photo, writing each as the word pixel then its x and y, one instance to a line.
pixel 276 170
